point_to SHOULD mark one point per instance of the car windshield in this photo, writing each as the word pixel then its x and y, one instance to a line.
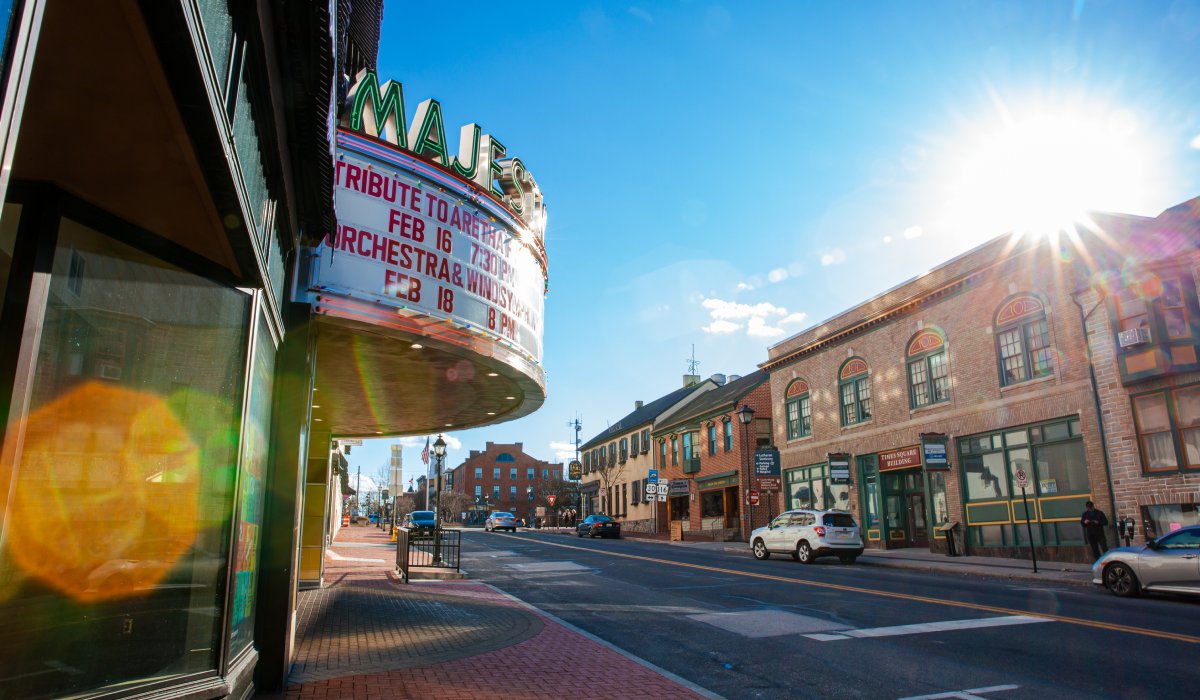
pixel 600 518
pixel 502 515
pixel 838 520
pixel 422 515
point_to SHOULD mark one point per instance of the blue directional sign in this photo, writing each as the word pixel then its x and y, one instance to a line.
pixel 653 478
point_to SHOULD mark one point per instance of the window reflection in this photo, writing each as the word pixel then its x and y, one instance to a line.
pixel 118 529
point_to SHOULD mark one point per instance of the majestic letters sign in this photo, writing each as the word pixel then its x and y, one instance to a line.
pixel 457 239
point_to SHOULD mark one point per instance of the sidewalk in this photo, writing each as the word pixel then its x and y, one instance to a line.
pixel 366 635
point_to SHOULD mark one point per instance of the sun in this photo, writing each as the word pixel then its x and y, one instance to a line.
pixel 1042 174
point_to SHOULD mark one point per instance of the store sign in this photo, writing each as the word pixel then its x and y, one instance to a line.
pixel 839 468
pixel 903 458
pixel 417 246
pixel 933 449
pixel 766 461
pixel 678 487
pixel 575 470
pixel 421 233
pixel 378 110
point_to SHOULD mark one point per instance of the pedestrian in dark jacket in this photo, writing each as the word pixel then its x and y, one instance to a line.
pixel 1094 522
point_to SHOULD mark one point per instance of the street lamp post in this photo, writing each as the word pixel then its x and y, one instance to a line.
pixel 745 414
pixel 439 453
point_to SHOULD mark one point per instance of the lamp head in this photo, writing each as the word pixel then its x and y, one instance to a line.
pixel 439 447
pixel 745 414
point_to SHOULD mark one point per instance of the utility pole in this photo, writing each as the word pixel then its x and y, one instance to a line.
pixel 358 494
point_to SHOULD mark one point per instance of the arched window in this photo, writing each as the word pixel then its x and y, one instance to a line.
pixel 928 378
pixel 854 388
pixel 1023 340
pixel 798 408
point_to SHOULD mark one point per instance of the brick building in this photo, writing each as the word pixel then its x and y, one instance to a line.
pixel 502 477
pixel 618 460
pixel 988 350
pixel 705 451
pixel 1143 326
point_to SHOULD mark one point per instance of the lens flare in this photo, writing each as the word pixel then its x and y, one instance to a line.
pixel 106 497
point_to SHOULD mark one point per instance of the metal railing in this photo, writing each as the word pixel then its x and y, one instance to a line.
pixel 441 549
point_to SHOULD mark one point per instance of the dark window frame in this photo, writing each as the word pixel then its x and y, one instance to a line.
pixel 1175 431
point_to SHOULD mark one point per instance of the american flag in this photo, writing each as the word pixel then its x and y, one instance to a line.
pixel 425 452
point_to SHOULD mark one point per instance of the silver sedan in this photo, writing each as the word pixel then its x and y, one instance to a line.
pixel 1170 564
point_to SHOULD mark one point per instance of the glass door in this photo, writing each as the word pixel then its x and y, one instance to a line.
pixel 918 526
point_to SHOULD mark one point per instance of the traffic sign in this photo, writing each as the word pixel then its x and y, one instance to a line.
pixel 1022 479
pixel 653 476
pixel 551 499
pixel 754 498
pixel 651 490
pixel 768 483
pixel 662 496
pixel 662 489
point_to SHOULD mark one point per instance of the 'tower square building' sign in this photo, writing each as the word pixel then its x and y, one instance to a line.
pixel 449 247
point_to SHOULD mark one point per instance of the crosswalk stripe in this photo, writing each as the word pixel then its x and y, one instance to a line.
pixel 926 627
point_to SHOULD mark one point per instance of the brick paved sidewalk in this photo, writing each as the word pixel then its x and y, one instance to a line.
pixel 368 636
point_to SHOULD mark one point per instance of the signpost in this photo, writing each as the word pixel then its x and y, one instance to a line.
pixel 1022 478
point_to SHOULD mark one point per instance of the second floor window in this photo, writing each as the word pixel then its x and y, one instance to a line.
pixel 662 454
pixel 512 473
pixel 712 438
pixel 728 428
pixel 1023 341
pixel 478 472
pixel 928 381
pixel 855 391
pixel 529 473
pixel 687 446
pixel 633 444
pixel 512 493
pixel 674 450
pixel 799 410
pixel 496 473
pixel 624 449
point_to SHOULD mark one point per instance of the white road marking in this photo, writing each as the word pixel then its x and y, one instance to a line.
pixel 548 566
pixel 925 627
pixel 969 694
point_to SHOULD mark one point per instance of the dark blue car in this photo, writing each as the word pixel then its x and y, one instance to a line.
pixel 419 522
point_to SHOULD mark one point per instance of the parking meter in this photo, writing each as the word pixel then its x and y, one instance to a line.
pixel 1126 529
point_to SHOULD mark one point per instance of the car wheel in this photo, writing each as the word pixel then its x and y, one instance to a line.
pixel 760 550
pixel 848 558
pixel 804 553
pixel 578 533
pixel 1120 579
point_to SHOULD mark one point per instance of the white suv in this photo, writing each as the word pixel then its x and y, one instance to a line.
pixel 808 534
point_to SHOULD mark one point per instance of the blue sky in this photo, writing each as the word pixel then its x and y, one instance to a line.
pixel 725 175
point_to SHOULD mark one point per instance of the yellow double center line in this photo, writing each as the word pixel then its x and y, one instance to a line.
pixel 886 594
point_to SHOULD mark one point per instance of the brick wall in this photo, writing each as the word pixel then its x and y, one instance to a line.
pixel 977 403
pixel 465 481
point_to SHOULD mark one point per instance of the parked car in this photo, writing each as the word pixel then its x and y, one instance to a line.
pixel 808 534
pixel 500 521
pixel 598 526
pixel 1170 564
pixel 420 522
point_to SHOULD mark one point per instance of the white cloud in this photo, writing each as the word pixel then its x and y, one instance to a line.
pixel 1195 143
pixel 730 316
pixel 742 286
pixel 721 327
pixel 887 239
pixel 721 309
pixel 452 443
pixel 777 275
pixel 641 14
pixel 913 232
pixel 563 450
pixel 833 257
pixel 757 327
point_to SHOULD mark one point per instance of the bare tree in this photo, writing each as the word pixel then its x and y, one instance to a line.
pixel 563 491
pixel 452 504
pixel 406 503
pixel 610 474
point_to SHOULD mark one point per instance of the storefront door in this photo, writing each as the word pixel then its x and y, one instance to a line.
pixel 918 525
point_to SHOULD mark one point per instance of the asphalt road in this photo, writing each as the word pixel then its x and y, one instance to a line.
pixel 742 628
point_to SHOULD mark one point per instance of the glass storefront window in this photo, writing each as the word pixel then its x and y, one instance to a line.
pixel 985 477
pixel 118 530
pixel 8 241
pixel 937 491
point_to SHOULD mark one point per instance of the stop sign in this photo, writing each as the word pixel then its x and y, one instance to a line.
pixel 754 498
pixel 550 499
